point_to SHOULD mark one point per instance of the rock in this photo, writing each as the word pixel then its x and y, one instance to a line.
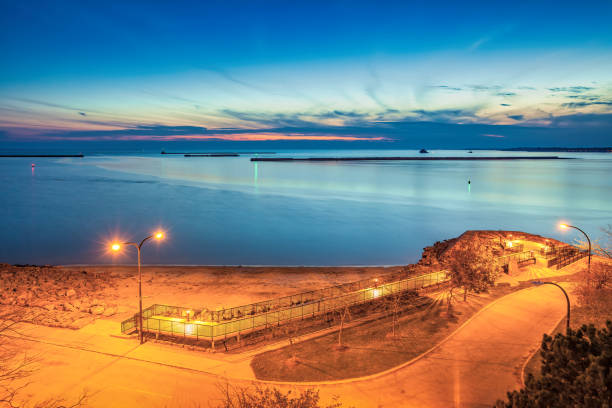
pixel 109 311
pixel 76 304
pixel 49 306
pixel 70 292
pixel 68 307
pixel 96 310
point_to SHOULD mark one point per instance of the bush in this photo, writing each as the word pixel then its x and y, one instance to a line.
pixel 256 397
pixel 576 372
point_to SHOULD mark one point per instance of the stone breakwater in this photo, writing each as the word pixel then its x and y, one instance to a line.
pixel 53 296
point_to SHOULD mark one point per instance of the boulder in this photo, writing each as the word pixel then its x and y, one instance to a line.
pixel 109 311
pixel 96 310
pixel 70 292
pixel 68 307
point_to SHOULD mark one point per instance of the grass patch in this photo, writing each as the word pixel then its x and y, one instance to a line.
pixel 370 348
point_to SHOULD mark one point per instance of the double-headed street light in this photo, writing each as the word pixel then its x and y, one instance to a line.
pixel 566 226
pixel 159 235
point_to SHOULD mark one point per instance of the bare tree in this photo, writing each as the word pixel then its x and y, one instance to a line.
pixel 259 397
pixel 16 366
pixel 601 246
pixel 472 268
pixel 396 301
pixel 344 312
pixel 393 303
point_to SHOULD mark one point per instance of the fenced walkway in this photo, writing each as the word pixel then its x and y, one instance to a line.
pixel 169 320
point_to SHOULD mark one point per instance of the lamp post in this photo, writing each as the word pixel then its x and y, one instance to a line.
pixel 116 247
pixel 566 298
pixel 565 226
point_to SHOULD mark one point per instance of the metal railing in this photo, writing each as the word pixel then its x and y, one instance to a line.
pixel 570 257
pixel 520 257
pixel 564 256
pixel 156 319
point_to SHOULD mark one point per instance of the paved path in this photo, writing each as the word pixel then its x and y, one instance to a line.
pixel 472 369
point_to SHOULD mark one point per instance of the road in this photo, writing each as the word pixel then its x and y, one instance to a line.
pixel 473 368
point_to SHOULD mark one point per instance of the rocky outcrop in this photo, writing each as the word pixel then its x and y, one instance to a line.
pixel 55 296
pixel 439 254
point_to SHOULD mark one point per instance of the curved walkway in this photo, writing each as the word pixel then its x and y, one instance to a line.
pixel 472 368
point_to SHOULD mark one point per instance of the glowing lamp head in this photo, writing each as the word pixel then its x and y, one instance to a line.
pixel 115 247
pixel 563 226
pixel 159 235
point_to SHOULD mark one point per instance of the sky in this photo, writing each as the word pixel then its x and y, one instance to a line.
pixel 377 74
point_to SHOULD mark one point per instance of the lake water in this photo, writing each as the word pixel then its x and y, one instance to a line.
pixel 233 211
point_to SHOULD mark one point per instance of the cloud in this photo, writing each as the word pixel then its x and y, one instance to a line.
pixel 349 114
pixel 372 89
pixel 432 128
pixel 482 88
pixel 602 122
pixel 476 44
pixel 574 105
pixel 50 104
pixel 504 104
pixel 571 89
pixel 82 114
pixel 446 87
pixel 506 94
pixel 269 120
pixel 151 131
pixel 516 117
pixel 444 115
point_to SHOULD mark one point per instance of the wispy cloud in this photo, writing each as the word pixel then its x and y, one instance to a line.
pixel 572 89
pixel 575 105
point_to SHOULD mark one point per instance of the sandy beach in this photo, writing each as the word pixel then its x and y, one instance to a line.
pixel 72 296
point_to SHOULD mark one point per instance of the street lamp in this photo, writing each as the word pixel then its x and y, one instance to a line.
pixel 566 226
pixel 566 297
pixel 116 247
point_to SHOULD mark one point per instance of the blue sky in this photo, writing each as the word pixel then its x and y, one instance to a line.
pixel 393 74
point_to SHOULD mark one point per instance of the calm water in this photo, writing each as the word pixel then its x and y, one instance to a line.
pixel 234 211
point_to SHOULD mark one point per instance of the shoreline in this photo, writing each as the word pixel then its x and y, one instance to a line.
pixel 219 266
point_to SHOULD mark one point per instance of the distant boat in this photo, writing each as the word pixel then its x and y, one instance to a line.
pixel 423 151
pixel 470 151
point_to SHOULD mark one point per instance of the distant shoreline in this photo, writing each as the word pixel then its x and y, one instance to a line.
pixel 558 149
pixel 42 155
pixel 467 158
